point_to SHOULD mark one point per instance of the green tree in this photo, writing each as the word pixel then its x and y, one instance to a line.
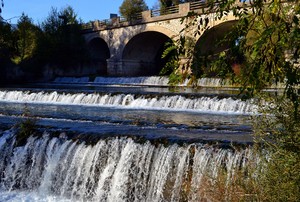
pixel 62 43
pixel 26 34
pixel 7 48
pixel 131 8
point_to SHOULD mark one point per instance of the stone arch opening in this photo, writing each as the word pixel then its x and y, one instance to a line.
pixel 209 46
pixel 142 55
pixel 209 42
pixel 99 53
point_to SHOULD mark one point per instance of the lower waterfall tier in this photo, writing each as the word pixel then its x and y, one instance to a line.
pixel 116 169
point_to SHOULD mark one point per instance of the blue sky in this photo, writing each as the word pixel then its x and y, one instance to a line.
pixel 87 10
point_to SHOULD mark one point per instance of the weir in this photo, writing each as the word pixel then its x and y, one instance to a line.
pixel 115 169
pixel 147 81
pixel 111 139
pixel 177 102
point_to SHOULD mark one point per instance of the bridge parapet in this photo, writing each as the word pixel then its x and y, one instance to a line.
pixel 149 16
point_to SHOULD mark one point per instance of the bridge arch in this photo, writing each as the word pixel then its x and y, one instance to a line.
pixel 209 42
pixel 142 53
pixel 99 53
pixel 209 46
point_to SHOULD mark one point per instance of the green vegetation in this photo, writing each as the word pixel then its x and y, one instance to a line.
pixel 26 36
pixel 6 41
pixel 178 56
pixel 263 51
pixel 57 42
pixel 279 134
pixel 26 128
pixel 63 39
pixel 131 8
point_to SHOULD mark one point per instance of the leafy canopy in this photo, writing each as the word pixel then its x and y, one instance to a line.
pixel 131 8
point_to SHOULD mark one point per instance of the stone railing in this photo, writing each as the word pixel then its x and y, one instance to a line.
pixel 167 11
pixel 148 16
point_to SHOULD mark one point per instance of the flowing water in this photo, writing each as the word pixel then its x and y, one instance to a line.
pixel 120 139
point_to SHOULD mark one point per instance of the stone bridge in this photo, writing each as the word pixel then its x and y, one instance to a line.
pixel 122 48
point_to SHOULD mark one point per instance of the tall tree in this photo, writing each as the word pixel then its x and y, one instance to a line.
pixel 131 8
pixel 26 34
pixel 7 48
pixel 62 42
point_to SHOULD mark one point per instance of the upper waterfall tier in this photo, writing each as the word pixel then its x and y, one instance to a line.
pixel 157 102
pixel 150 81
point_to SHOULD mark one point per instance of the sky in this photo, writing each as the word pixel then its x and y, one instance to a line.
pixel 87 10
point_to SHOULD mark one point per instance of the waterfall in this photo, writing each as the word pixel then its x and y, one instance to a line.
pixel 114 169
pixel 149 81
pixel 214 82
pixel 152 80
pixel 175 102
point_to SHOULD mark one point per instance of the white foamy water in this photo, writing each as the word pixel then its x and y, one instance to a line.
pixel 152 80
pixel 176 102
pixel 27 196
pixel 148 81
pixel 116 169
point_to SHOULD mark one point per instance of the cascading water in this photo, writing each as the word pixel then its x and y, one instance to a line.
pixel 175 102
pixel 113 169
pixel 118 139
pixel 150 81
pixel 153 80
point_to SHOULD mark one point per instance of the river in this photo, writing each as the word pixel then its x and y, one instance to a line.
pixel 121 139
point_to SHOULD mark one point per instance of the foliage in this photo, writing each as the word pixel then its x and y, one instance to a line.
pixel 61 42
pixel 268 39
pixel 26 128
pixel 26 39
pixel 57 42
pixel 7 48
pixel 178 56
pixel 171 54
pixel 279 181
pixel 131 8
